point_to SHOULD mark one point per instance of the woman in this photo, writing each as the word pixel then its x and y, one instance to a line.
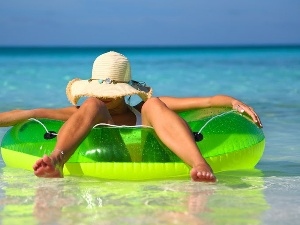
pixel 110 83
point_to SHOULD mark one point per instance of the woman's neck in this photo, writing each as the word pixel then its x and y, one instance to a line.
pixel 121 108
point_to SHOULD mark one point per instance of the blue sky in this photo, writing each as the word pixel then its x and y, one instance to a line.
pixel 155 22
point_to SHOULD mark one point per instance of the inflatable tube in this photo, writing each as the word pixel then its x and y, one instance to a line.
pixel 230 142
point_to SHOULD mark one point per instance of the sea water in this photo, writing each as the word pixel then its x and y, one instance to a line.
pixel 266 78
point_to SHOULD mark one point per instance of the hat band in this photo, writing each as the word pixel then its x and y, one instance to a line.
pixel 107 81
pixel 110 81
pixel 140 86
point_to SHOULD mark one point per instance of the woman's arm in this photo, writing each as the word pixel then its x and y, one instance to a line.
pixel 179 104
pixel 11 118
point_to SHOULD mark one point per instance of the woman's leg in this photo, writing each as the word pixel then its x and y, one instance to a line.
pixel 71 134
pixel 174 132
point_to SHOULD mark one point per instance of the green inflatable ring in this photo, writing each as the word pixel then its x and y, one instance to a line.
pixel 231 141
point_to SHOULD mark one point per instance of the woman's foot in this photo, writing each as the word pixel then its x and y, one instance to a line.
pixel 202 173
pixel 47 167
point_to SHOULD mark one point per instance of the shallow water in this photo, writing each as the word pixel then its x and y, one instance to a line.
pixel 88 201
pixel 268 79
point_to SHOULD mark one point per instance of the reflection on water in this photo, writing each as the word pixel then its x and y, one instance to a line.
pixel 238 198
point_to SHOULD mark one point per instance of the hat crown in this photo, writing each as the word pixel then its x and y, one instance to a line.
pixel 111 65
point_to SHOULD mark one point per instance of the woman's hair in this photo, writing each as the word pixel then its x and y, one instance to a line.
pixel 127 100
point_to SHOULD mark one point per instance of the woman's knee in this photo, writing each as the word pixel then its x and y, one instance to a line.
pixel 93 103
pixel 96 110
pixel 152 109
pixel 153 105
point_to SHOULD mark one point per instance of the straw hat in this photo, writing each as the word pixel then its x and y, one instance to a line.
pixel 111 78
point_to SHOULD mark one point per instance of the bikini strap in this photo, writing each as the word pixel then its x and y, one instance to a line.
pixel 137 115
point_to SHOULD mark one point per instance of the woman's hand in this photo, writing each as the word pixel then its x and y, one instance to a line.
pixel 243 108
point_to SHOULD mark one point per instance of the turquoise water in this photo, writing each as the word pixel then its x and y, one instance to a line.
pixel 268 79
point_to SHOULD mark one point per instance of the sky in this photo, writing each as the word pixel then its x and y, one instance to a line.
pixel 149 23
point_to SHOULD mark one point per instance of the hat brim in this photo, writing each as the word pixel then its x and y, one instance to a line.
pixel 78 88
